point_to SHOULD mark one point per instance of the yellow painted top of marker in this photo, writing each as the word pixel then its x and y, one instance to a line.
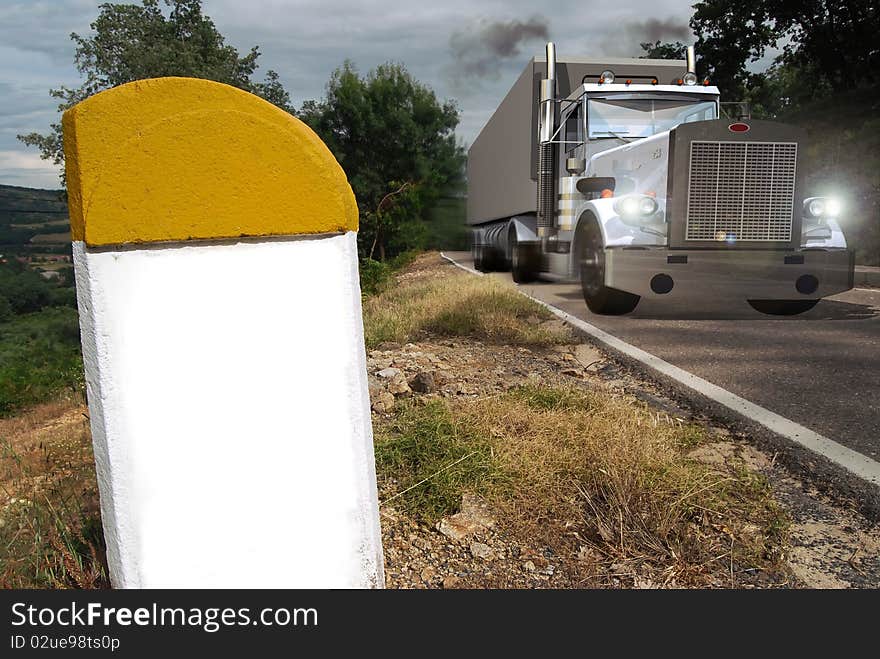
pixel 174 159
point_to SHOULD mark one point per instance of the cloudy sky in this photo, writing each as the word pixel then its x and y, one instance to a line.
pixel 468 50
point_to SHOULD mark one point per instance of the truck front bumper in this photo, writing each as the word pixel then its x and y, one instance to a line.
pixel 729 274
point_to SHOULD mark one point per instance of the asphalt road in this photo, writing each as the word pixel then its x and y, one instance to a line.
pixel 820 369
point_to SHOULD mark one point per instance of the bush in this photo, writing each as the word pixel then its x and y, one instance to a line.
pixel 376 275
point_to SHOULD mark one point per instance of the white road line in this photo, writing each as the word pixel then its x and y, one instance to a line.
pixel 860 465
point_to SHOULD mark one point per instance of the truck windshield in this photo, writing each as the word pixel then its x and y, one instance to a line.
pixel 633 118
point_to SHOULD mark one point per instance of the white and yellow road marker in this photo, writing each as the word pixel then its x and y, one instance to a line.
pixel 216 268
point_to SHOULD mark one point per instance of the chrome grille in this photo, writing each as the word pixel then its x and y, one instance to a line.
pixel 742 191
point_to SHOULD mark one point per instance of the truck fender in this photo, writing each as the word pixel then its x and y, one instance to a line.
pixel 615 232
pixel 599 211
pixel 524 228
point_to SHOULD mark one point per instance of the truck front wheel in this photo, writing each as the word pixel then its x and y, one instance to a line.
pixel 600 298
pixel 783 307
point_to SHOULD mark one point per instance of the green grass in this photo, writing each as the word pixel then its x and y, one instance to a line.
pixel 39 357
pixel 435 458
pixel 554 398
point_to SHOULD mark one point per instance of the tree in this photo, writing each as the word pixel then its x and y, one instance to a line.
pixel 830 43
pixel 133 42
pixel 660 50
pixel 396 143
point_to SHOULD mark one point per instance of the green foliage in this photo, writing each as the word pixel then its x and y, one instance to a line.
pixel 843 160
pixel 827 44
pixel 396 142
pixel 133 42
pixel 25 291
pixel 376 276
pixel 659 50
pixel 446 225
pixel 39 337
pixel 435 458
pixel 6 312
pixel 39 356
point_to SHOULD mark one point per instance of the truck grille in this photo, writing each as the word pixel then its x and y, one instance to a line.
pixel 741 191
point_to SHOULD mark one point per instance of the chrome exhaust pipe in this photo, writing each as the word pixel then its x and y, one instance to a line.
pixel 546 152
pixel 548 96
pixel 691 60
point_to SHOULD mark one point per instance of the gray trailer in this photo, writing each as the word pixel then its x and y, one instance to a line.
pixel 621 173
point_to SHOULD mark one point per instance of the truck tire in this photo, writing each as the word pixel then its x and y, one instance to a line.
pixel 783 307
pixel 477 252
pixel 525 261
pixel 600 298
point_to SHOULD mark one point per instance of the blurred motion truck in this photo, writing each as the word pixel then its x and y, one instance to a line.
pixel 622 173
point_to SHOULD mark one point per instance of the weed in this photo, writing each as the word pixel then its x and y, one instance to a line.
pixel 434 459
pixel 50 526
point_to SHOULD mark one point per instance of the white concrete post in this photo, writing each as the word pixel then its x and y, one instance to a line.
pixel 216 268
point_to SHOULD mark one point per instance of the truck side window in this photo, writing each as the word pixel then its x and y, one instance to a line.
pixel 573 129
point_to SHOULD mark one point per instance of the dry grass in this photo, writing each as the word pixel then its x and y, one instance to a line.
pixel 610 472
pixel 622 469
pixel 50 527
pixel 453 303
pixel 613 470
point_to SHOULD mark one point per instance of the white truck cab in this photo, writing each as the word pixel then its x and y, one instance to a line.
pixel 643 190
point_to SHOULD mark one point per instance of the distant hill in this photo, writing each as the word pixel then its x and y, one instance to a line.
pixel 31 206
pixel 26 213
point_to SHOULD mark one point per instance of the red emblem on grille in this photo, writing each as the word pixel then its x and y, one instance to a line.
pixel 738 128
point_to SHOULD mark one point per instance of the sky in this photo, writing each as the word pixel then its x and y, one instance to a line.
pixel 467 50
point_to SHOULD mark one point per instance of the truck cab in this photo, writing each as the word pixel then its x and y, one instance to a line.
pixel 643 190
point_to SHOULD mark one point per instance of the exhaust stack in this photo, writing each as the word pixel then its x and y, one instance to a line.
pixel 691 60
pixel 546 152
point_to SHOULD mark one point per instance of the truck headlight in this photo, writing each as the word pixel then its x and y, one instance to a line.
pixel 635 207
pixel 647 206
pixel 820 208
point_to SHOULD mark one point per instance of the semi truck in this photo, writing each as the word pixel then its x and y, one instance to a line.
pixel 623 174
